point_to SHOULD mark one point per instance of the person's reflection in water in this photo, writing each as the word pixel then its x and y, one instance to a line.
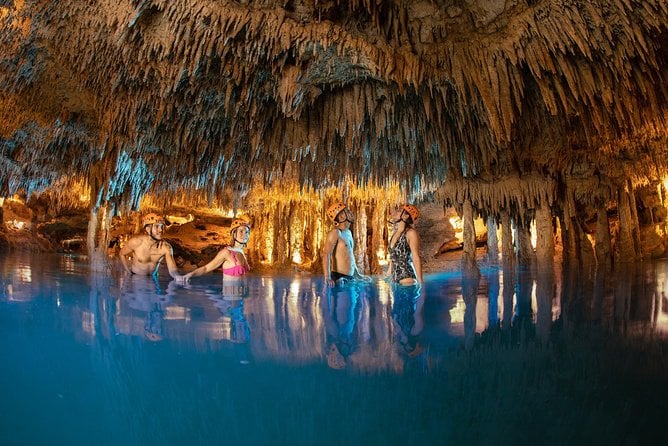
pixel 230 303
pixel 342 308
pixel 146 294
pixel 408 316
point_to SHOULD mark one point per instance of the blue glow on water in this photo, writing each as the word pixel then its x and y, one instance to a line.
pixel 112 359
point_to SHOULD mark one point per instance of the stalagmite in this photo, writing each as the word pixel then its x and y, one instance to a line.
pixel 625 252
pixel 360 234
pixel 508 267
pixel 544 271
pixel 544 238
pixel 635 227
pixel 97 239
pixel 469 263
pixel 603 245
pixel 377 236
pixel 492 241
pixel 525 253
pixel 569 241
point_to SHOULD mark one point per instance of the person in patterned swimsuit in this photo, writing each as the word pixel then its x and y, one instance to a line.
pixel 405 274
pixel 405 266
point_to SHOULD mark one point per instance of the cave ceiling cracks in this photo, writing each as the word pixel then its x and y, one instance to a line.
pixel 152 95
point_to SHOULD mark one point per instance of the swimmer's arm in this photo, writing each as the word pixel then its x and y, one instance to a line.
pixel 220 258
pixel 127 249
pixel 171 264
pixel 414 243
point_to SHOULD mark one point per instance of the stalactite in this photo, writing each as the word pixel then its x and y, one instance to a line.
pixel 165 78
pixel 195 95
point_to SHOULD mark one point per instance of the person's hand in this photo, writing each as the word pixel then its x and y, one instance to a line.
pixel 329 282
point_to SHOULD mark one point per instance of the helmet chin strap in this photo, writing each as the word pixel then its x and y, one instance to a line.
pixel 150 234
pixel 234 237
pixel 398 220
pixel 237 241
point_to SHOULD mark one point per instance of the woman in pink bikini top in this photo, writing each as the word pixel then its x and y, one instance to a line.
pixel 239 268
pixel 231 259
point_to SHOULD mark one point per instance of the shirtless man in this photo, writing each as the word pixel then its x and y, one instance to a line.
pixel 147 250
pixel 339 247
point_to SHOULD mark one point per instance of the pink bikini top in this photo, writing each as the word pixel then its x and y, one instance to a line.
pixel 237 269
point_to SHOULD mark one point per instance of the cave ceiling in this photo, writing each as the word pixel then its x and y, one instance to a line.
pixel 152 95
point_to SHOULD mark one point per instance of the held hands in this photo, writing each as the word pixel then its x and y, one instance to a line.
pixel 182 279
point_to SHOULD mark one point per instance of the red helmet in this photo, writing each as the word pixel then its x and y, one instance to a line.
pixel 335 210
pixel 412 211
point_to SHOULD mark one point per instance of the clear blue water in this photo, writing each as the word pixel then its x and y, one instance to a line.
pixel 108 359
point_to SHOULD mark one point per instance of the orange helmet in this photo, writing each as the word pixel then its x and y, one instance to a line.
pixel 412 211
pixel 239 222
pixel 151 219
pixel 335 210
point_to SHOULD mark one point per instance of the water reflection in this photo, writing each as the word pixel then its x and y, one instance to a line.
pixel 408 314
pixel 168 362
pixel 297 321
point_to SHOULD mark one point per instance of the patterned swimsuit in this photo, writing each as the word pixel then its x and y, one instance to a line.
pixel 402 260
